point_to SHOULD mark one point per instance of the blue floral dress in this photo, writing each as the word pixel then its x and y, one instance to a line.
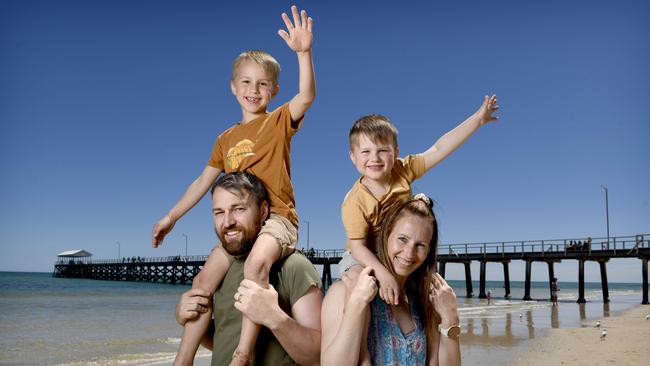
pixel 387 344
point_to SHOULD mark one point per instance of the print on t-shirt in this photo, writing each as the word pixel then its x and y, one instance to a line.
pixel 236 154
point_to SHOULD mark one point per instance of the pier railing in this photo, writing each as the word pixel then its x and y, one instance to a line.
pixel 182 269
pixel 623 245
pixel 167 259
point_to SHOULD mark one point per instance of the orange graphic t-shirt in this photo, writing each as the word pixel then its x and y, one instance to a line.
pixel 262 147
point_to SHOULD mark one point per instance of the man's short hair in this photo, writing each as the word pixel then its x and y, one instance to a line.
pixel 240 183
pixel 376 127
pixel 264 59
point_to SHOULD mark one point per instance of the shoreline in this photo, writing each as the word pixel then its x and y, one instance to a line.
pixel 626 343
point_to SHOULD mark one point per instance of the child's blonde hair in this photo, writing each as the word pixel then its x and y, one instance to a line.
pixel 264 59
pixel 376 127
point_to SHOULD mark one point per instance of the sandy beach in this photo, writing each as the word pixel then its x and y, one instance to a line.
pixel 626 343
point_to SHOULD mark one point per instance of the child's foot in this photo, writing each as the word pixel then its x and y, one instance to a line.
pixel 240 358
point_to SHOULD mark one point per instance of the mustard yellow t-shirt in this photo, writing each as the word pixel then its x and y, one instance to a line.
pixel 262 148
pixel 362 213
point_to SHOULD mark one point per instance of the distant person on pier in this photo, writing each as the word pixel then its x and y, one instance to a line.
pixel 571 246
pixel 587 244
pixel 260 143
pixel 288 311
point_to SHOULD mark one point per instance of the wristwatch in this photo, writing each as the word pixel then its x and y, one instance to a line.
pixel 452 332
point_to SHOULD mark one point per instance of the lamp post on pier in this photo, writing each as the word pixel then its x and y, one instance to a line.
pixel 185 235
pixel 606 212
pixel 118 249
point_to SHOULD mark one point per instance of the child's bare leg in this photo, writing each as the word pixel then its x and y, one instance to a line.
pixel 209 278
pixel 265 252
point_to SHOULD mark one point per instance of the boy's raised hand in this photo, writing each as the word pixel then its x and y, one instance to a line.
pixel 299 38
pixel 486 110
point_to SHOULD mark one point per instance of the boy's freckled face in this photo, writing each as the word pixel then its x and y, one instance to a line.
pixel 373 160
pixel 253 87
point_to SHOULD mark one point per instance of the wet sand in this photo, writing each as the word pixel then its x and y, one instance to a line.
pixel 626 343
pixel 534 333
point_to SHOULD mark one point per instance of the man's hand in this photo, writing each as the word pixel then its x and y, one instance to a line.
pixel 258 304
pixel 192 303
pixel 160 229
pixel 299 38
pixel 486 110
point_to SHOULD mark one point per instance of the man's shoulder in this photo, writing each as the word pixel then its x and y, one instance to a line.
pixel 296 262
pixel 295 275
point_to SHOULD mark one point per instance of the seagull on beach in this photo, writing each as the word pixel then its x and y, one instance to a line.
pixel 520 315
pixel 603 334
pixel 647 317
pixel 597 324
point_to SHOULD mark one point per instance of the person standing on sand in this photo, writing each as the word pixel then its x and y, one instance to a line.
pixel 554 290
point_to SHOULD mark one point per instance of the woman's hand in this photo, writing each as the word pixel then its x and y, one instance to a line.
pixel 443 298
pixel 366 288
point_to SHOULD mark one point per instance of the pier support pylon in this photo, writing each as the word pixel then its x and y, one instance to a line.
pixel 551 275
pixel 529 266
pixel 468 279
pixel 644 273
pixel 506 278
pixel 327 276
pixel 481 293
pixel 603 280
pixel 441 268
pixel 581 281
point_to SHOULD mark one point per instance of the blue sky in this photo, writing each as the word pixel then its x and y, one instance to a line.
pixel 109 109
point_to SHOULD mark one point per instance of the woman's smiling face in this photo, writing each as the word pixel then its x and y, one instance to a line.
pixel 409 243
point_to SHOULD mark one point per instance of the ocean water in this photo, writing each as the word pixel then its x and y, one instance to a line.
pixel 57 321
pixel 50 321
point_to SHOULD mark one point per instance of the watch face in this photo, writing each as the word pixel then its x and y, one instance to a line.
pixel 454 332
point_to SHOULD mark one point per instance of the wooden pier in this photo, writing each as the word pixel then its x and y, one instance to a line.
pixel 181 269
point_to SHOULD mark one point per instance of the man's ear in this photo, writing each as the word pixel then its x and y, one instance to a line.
pixel 276 89
pixel 264 211
pixel 352 156
pixel 232 88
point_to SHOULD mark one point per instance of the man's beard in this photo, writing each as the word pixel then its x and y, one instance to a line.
pixel 241 247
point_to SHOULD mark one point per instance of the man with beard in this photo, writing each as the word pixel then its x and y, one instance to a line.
pixel 289 310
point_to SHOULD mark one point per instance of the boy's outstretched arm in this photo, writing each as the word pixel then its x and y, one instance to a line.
pixel 450 141
pixel 299 38
pixel 191 197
